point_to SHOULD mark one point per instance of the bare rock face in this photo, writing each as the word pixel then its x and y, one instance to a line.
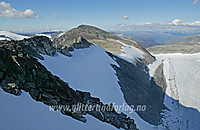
pixel 98 37
pixel 139 90
pixel 34 46
pixel 40 44
pixel 78 43
pixel 19 70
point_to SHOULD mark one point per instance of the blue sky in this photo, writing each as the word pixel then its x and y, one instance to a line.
pixel 107 14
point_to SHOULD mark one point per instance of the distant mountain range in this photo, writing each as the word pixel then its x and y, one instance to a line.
pixel 187 40
pixel 157 37
pixel 187 44
pixel 144 42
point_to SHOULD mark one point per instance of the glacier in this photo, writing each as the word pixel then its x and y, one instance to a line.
pixel 182 94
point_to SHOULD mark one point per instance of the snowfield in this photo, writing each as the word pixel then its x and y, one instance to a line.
pixel 182 73
pixel 61 34
pixel 89 70
pixel 5 35
pixel 3 38
pixel 130 53
pixel 22 112
pixel 46 35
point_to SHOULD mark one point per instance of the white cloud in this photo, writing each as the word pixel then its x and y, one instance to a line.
pixel 124 17
pixel 180 23
pixel 148 23
pixel 176 21
pixel 7 11
pixel 195 2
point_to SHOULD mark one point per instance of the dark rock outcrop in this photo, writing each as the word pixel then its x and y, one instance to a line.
pixel 19 70
pixel 78 43
pixel 138 90
pixel 40 44
pixel 159 77
pixel 34 46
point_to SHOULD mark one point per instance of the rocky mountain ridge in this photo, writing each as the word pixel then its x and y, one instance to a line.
pixel 21 71
pixel 133 78
pixel 101 38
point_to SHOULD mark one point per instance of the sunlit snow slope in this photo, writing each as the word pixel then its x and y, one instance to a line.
pixel 46 35
pixel 22 112
pixel 130 53
pixel 5 35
